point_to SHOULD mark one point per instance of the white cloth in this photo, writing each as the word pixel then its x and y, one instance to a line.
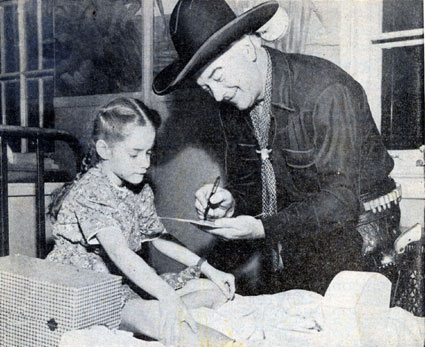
pixel 100 336
pixel 353 312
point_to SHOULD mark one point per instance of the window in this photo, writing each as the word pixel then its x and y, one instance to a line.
pixel 26 65
pixel 402 86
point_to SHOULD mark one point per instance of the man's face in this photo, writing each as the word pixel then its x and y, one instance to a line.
pixel 233 77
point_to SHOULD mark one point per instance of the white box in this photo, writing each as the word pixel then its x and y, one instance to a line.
pixel 40 300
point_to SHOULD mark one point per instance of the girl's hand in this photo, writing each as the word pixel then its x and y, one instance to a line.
pixel 173 313
pixel 225 281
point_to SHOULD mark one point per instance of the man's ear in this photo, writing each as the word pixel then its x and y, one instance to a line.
pixel 103 149
pixel 250 44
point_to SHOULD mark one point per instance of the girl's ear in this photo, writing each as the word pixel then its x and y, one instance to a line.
pixel 103 150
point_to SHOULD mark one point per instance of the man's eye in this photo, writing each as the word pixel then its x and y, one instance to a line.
pixel 133 155
pixel 218 78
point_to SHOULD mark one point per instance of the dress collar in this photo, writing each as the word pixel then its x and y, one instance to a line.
pixel 282 80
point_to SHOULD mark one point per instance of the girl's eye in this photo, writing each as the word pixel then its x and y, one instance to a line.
pixel 133 155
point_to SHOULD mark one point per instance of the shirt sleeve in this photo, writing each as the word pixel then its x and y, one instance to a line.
pixel 337 152
pixel 95 212
pixel 149 223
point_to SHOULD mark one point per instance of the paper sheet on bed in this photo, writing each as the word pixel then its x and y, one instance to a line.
pixel 203 223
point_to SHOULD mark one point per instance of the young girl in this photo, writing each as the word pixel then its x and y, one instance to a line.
pixel 103 217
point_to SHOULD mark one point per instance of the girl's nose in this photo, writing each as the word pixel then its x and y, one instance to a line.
pixel 145 162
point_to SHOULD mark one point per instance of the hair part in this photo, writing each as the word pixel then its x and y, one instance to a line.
pixel 111 124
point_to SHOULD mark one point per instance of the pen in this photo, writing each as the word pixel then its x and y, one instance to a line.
pixel 213 191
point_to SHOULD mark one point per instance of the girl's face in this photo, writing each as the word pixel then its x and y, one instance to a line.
pixel 131 157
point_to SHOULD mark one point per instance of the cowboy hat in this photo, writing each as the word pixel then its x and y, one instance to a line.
pixel 203 29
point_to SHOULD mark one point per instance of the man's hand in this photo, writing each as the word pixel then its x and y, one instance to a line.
pixel 222 202
pixel 239 228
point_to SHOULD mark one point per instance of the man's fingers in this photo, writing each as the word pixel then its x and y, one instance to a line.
pixel 201 201
pixel 219 197
pixel 226 233
pixel 199 207
pixel 222 232
pixel 203 194
pixel 226 222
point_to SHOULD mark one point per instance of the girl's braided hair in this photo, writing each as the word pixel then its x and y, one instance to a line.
pixel 110 125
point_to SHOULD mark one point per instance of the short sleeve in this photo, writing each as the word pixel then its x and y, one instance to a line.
pixel 149 223
pixel 94 212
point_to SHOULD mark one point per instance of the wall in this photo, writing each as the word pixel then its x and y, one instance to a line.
pixel 323 39
pixel 22 238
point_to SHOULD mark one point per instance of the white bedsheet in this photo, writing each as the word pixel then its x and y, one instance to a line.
pixel 354 312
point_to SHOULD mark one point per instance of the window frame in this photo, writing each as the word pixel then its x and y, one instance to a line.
pixel 362 41
pixel 23 75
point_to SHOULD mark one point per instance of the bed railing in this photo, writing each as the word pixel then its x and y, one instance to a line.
pixel 41 137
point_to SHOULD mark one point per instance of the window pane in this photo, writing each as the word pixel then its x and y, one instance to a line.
pixel 33 103
pixel 49 114
pixel 403 97
pixel 48 46
pixel 33 110
pixel 164 52
pixel 98 47
pixel 13 110
pixel 11 39
pixel 31 34
pixel 402 15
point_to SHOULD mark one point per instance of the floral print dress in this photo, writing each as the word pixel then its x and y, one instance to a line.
pixel 95 204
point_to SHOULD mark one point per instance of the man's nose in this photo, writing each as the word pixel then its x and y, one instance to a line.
pixel 217 92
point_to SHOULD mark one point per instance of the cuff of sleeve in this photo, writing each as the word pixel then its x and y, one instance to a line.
pixel 274 227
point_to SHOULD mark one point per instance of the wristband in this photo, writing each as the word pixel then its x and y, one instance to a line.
pixel 200 262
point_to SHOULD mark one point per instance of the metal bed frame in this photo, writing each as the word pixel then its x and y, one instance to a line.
pixel 41 136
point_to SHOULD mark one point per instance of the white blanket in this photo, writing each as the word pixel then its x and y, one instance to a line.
pixel 354 312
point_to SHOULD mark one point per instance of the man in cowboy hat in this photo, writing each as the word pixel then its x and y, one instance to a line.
pixel 303 154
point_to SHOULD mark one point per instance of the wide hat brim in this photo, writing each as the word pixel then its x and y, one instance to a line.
pixel 169 78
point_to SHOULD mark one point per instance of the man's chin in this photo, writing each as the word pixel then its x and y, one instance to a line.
pixel 241 105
